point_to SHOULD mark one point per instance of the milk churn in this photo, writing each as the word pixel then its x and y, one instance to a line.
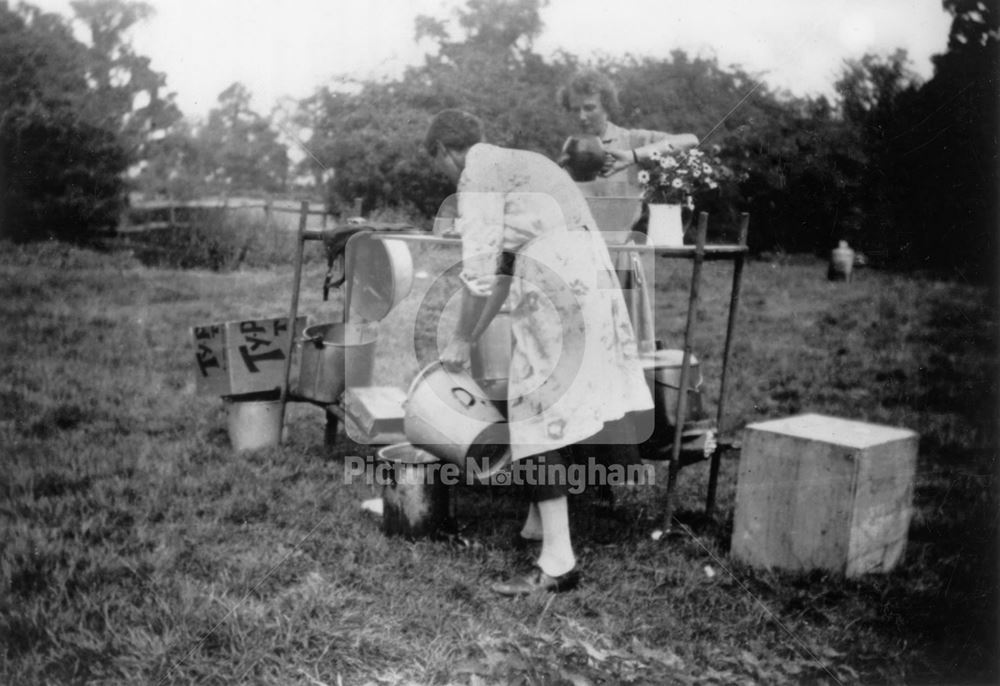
pixel 841 263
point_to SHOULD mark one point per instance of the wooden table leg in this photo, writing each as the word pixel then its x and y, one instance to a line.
pixel 667 514
pixel 330 434
pixel 294 309
pixel 734 303
pixel 674 465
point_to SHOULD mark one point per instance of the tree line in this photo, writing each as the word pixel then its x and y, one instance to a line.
pixel 903 169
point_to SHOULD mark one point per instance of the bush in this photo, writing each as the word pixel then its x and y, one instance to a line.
pixel 216 239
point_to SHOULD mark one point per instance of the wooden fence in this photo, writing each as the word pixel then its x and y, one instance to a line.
pixel 217 232
pixel 280 215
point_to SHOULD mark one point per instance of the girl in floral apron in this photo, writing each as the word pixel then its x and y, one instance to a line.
pixel 528 239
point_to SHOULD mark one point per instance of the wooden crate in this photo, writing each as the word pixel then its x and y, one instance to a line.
pixel 818 492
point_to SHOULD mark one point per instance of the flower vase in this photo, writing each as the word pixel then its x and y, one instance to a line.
pixel 666 230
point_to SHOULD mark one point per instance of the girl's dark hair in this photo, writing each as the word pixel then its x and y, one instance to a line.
pixel 591 82
pixel 455 129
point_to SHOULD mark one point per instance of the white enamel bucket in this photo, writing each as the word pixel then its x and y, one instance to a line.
pixel 253 424
pixel 450 416
pixel 663 374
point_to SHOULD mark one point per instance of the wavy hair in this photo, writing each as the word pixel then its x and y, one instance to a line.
pixel 591 82
pixel 454 129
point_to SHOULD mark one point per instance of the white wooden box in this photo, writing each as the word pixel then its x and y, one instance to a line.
pixel 818 492
pixel 376 409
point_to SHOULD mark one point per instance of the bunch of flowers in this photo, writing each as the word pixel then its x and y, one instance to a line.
pixel 674 177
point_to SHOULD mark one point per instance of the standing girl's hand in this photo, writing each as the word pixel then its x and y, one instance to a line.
pixel 456 355
pixel 616 160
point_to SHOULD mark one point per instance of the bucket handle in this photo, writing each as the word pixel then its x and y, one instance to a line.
pixel 457 391
pixel 420 375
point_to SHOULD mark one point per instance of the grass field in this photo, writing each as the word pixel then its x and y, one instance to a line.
pixel 137 548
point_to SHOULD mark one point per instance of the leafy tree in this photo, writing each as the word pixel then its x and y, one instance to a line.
pixel 864 167
pixel 502 27
pixel 371 141
pixel 792 156
pixel 930 173
pixel 60 170
pixel 875 95
pixel 175 166
pixel 127 96
pixel 371 137
pixel 948 149
pixel 494 47
pixel 240 151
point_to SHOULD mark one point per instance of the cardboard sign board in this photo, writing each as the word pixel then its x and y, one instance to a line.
pixel 234 358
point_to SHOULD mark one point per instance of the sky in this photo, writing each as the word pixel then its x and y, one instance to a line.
pixel 287 48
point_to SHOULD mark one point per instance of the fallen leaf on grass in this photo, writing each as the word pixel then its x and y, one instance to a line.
pixel 575 678
pixel 313 680
pixel 596 654
pixel 727 677
pixel 665 657
pixel 592 651
pixel 791 668
pixel 846 673
pixel 471 667
pixel 831 652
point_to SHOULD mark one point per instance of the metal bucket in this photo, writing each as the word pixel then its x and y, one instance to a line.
pixel 415 500
pixel 663 374
pixel 253 424
pixel 449 415
pixel 334 357
pixel 841 262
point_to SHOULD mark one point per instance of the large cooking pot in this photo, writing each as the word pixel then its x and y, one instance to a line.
pixel 414 497
pixel 663 374
pixel 450 416
pixel 381 276
pixel 334 357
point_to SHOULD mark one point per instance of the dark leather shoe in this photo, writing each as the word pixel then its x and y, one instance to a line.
pixel 537 581
pixel 519 542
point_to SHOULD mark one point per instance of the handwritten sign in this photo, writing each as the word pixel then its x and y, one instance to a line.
pixel 233 358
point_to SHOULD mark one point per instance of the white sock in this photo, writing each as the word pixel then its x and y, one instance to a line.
pixel 557 549
pixel 532 529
